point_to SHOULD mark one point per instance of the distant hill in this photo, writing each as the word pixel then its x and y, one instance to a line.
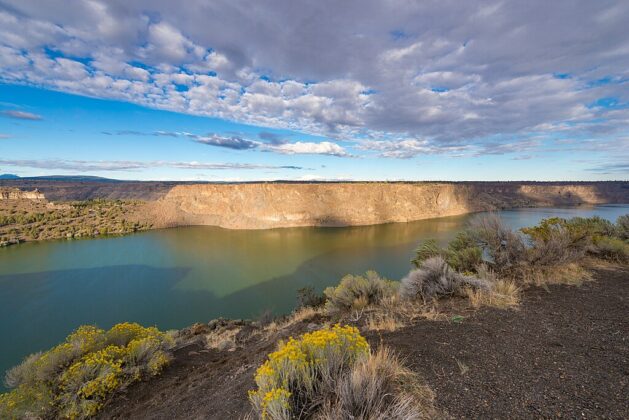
pixel 68 178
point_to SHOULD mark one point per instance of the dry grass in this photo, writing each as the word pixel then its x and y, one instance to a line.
pixel 222 340
pixel 503 294
pixel 463 368
pixel 571 274
pixel 383 322
pixel 380 387
pixel 302 314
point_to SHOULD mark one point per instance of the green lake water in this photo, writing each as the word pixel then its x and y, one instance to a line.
pixel 174 277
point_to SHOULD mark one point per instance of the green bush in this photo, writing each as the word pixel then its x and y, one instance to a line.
pixel 357 292
pixel 427 249
pixel 612 249
pixel 463 253
pixel 622 227
pixel 556 240
pixel 73 379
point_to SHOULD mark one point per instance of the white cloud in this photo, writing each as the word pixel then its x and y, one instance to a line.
pixel 458 73
pixel 308 148
pixel 21 115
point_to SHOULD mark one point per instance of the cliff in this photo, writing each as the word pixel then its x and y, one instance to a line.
pixel 17 194
pixel 273 205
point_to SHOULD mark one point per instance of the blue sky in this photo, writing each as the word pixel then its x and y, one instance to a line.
pixel 434 91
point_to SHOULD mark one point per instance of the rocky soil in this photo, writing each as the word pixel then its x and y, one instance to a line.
pixel 563 353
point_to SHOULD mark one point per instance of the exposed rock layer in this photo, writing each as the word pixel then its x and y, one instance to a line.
pixel 17 194
pixel 286 204
pixel 272 205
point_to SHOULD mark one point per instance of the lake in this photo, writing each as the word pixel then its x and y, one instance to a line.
pixel 172 278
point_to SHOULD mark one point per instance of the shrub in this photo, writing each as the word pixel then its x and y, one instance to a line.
pixel 357 292
pixel 462 254
pixel 622 227
pixel 556 246
pixel 293 377
pixel 73 379
pixel 591 226
pixel 379 387
pixel 505 247
pixel 331 373
pixel 425 250
pixel 434 279
pixel 611 249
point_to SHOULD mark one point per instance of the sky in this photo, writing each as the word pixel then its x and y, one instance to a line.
pixel 242 90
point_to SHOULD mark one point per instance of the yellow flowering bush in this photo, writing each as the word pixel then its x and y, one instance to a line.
pixel 289 381
pixel 73 379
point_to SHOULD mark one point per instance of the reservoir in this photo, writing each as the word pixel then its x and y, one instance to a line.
pixel 172 278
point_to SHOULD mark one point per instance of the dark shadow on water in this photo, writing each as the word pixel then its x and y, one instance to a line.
pixel 37 310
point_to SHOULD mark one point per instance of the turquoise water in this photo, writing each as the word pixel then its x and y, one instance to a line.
pixel 175 277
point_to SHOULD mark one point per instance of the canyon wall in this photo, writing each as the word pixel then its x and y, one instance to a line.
pixel 17 194
pixel 273 205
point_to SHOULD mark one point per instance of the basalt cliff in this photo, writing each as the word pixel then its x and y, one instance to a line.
pixel 263 205
pixel 273 205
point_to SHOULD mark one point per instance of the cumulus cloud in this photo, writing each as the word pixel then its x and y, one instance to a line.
pixel 21 115
pixel 408 148
pixel 91 166
pixel 309 148
pixel 448 73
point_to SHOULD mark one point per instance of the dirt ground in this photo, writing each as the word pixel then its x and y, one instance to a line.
pixel 563 353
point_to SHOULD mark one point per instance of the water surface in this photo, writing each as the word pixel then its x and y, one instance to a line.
pixel 175 277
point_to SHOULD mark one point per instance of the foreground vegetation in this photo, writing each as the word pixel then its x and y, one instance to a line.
pixel 29 220
pixel 331 371
pixel 73 379
pixel 333 374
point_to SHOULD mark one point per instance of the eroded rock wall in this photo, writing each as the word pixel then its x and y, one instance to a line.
pixel 17 194
pixel 272 205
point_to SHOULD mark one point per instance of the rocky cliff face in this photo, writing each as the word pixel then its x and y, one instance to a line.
pixel 16 194
pixel 272 205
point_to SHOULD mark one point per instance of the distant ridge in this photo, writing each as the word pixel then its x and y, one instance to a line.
pixel 75 178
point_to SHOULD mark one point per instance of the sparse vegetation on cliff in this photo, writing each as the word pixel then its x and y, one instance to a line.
pixel 28 220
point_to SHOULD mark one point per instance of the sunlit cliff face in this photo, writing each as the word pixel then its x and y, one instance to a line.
pixel 262 206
